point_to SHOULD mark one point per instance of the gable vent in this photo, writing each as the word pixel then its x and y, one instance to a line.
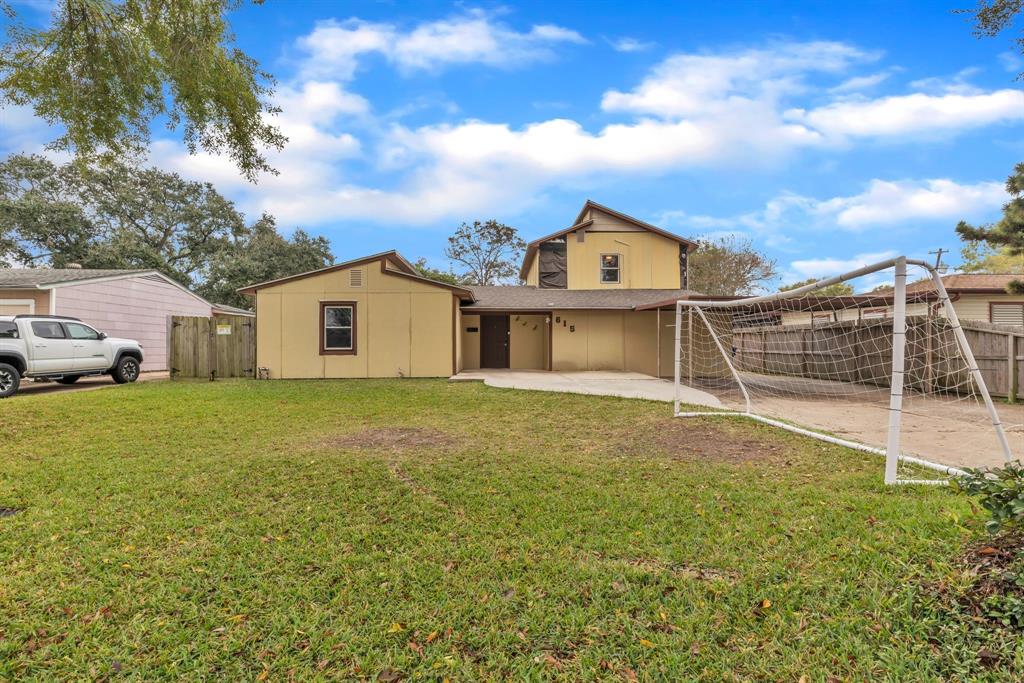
pixel 355 277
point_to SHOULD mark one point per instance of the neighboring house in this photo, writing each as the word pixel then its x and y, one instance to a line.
pixel 134 304
pixel 591 302
pixel 975 296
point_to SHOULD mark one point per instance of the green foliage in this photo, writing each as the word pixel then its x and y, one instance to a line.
pixel 436 273
pixel 1000 491
pixel 104 70
pixel 490 251
pixel 1006 235
pixel 979 257
pixel 119 216
pixel 838 289
pixel 728 266
pixel 116 216
pixel 991 17
pixel 259 254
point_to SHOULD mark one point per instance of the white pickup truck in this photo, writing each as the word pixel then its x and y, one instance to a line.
pixel 62 349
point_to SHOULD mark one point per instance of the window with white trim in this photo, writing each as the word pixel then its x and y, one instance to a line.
pixel 610 274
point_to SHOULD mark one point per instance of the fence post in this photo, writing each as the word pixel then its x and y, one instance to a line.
pixel 1011 361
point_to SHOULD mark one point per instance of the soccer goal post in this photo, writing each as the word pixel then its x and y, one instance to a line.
pixel 874 359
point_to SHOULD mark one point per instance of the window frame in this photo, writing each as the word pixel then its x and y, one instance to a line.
pixel 67 331
pixel 324 349
pixel 63 332
pixel 617 269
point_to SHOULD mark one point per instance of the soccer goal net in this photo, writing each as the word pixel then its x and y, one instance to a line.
pixel 875 359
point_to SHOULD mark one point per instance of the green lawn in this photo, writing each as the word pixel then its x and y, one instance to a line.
pixel 424 530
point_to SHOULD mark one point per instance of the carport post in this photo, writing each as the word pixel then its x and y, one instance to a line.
pixel 676 353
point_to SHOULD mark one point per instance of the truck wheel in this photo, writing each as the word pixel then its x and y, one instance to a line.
pixel 9 380
pixel 126 370
pixel 69 380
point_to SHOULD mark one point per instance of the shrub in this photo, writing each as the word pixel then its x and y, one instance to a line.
pixel 1000 491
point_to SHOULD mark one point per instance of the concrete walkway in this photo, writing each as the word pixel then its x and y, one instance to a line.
pixel 599 383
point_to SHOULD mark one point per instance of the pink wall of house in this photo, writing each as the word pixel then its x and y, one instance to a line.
pixel 134 308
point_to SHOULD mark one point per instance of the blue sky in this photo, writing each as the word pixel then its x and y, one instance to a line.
pixel 831 134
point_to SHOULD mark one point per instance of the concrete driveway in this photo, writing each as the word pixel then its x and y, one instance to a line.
pixel 596 383
pixel 30 388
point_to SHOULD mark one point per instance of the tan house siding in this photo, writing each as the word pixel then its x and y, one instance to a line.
pixel 528 344
pixel 647 260
pixel 40 299
pixel 470 342
pixel 391 312
pixel 612 340
pixel 533 272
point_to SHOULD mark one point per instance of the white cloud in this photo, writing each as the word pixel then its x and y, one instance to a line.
pixel 707 84
pixel 888 202
pixel 333 48
pixel 827 267
pixel 627 44
pixel 884 204
pixel 858 83
pixel 912 115
pixel 1011 61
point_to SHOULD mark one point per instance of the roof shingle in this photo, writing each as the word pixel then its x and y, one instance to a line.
pixel 35 277
pixel 528 298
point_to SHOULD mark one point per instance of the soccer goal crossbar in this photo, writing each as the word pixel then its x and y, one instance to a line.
pixel 846 368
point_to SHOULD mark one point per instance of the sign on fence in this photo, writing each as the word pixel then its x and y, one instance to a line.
pixel 212 348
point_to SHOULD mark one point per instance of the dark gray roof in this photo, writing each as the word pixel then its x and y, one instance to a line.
pixel 526 298
pixel 34 277
pixel 233 309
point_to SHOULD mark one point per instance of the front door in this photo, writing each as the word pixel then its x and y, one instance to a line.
pixel 494 341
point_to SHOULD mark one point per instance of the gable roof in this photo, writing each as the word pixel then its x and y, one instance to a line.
pixel 970 283
pixel 20 278
pixel 579 223
pixel 405 269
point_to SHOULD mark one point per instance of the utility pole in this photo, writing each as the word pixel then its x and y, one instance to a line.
pixel 938 256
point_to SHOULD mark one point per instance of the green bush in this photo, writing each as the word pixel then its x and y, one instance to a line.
pixel 998 490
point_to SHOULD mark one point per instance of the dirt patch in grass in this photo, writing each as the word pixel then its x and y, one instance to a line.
pixel 997 593
pixel 393 439
pixel 688 439
pixel 656 566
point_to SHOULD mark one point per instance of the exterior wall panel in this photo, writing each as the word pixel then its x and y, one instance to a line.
pixel 133 308
pixel 470 342
pixel 528 342
pixel 403 327
pixel 40 299
pixel 648 261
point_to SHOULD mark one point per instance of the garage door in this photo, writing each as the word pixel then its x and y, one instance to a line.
pixel 16 306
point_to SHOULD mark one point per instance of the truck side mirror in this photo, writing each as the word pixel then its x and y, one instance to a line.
pixel 103 335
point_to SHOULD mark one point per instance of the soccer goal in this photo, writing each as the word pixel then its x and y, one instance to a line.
pixel 863 360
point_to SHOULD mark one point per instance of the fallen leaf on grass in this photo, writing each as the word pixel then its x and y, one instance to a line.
pixel 389 676
pixel 646 643
pixel 396 628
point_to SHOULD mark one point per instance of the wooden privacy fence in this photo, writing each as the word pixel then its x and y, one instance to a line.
pixel 860 351
pixel 212 348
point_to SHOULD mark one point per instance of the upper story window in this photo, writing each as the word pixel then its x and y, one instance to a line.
pixel 337 328
pixel 610 269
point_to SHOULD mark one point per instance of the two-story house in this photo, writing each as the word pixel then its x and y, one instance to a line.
pixel 593 300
